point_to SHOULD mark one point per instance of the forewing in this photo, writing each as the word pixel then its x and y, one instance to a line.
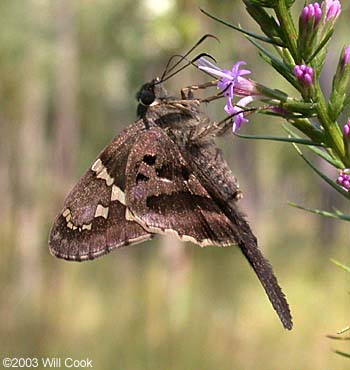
pixel 164 195
pixel 92 222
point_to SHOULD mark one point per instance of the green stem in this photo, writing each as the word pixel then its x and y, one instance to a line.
pixel 333 134
pixel 288 28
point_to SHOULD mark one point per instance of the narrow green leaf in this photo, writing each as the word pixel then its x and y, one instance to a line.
pixel 324 155
pixel 266 22
pixel 321 213
pixel 265 3
pixel 320 47
pixel 277 64
pixel 335 337
pixel 239 29
pixel 342 353
pixel 322 175
pixel 271 3
pixel 288 116
pixel 346 268
pixel 321 153
pixel 270 56
pixel 283 139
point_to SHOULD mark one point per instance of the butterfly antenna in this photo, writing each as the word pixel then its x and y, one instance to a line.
pixel 168 70
pixel 189 62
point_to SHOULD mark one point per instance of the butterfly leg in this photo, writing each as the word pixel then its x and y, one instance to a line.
pixel 220 128
pixel 187 92
pixel 212 129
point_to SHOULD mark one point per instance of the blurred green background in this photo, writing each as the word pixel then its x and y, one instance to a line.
pixel 69 71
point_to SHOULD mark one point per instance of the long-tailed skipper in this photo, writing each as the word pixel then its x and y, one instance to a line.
pixel 163 174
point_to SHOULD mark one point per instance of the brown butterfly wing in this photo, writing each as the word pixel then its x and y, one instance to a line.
pixel 92 221
pixel 164 195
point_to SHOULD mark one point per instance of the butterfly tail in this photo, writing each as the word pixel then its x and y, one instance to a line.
pixel 267 278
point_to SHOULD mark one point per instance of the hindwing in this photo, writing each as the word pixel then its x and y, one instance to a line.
pixel 164 195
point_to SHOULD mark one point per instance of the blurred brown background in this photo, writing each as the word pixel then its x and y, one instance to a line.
pixel 69 71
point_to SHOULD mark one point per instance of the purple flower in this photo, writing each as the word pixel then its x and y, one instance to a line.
pixel 311 13
pixel 304 74
pixel 237 112
pixel 233 84
pixel 231 81
pixel 333 9
pixel 344 179
pixel 346 129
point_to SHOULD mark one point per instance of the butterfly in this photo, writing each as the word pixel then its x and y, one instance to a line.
pixel 162 175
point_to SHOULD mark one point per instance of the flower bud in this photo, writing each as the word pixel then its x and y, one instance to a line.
pixel 344 178
pixel 340 84
pixel 311 13
pixel 316 25
pixel 333 9
pixel 346 130
pixel 304 74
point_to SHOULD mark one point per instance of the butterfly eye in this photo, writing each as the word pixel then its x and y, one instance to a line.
pixel 146 97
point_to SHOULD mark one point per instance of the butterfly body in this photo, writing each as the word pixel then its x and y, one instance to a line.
pixel 163 174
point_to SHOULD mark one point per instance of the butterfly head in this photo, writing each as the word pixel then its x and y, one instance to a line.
pixel 149 94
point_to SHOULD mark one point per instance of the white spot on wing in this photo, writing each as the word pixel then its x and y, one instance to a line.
pixel 118 194
pixel 101 211
pixel 165 180
pixel 87 227
pixel 101 172
pixel 97 166
pixel 66 213
pixel 104 176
